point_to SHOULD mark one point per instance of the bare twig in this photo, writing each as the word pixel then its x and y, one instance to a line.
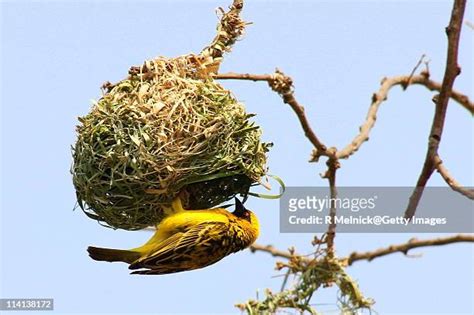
pixel 370 255
pixel 431 85
pixel 422 58
pixel 382 94
pixel 450 180
pixel 452 70
pixel 333 165
pixel 272 251
pixel 387 83
pixel 283 85
pixel 404 248
pixel 244 76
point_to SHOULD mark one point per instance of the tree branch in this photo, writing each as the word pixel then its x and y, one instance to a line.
pixel 333 165
pixel 424 80
pixel 377 99
pixel 452 70
pixel 371 255
pixel 450 180
pixel 271 250
pixel 283 85
pixel 404 248
pixel 381 95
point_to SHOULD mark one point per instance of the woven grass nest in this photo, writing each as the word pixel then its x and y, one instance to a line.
pixel 167 129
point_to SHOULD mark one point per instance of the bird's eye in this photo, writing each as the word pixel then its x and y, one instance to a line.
pixel 247 215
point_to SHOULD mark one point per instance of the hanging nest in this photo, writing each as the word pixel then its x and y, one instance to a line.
pixel 167 129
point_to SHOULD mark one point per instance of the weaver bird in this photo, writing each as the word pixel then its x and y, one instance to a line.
pixel 187 240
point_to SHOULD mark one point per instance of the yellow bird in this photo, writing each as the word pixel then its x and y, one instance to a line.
pixel 187 240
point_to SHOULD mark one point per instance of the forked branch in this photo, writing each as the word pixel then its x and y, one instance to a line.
pixel 451 72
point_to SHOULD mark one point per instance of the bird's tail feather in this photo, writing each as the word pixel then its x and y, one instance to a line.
pixel 109 254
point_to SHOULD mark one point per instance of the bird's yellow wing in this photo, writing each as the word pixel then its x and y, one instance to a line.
pixel 200 245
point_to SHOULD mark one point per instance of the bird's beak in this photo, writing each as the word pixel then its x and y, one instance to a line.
pixel 239 208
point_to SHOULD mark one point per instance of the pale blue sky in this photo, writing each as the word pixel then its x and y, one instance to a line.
pixel 56 55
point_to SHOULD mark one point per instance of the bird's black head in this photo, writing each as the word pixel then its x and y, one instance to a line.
pixel 240 211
